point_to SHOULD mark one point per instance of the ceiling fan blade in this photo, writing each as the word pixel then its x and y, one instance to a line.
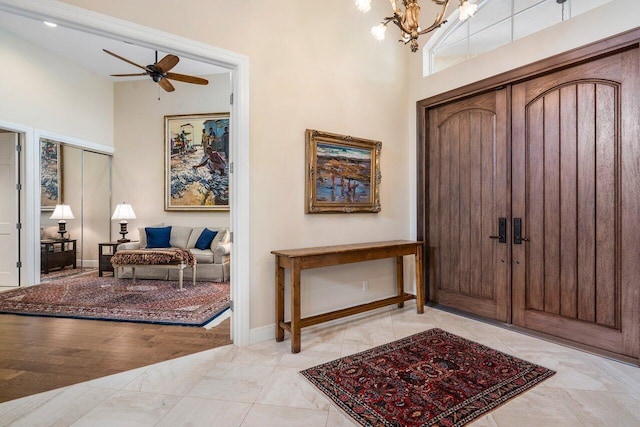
pixel 126 60
pixel 187 79
pixel 167 63
pixel 129 75
pixel 166 85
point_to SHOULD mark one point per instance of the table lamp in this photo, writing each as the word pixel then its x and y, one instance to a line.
pixel 62 213
pixel 123 212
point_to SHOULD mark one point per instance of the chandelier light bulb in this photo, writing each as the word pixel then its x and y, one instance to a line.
pixel 406 16
pixel 467 10
pixel 363 5
pixel 379 31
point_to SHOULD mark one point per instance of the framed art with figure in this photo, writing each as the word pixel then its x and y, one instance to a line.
pixel 50 174
pixel 197 162
pixel 342 173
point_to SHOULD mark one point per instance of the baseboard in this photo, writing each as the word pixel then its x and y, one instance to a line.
pixel 89 263
pixel 265 333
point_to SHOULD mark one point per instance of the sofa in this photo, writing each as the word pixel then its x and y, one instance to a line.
pixel 213 262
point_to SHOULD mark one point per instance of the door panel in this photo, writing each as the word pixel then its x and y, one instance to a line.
pixel 467 194
pixel 572 192
pixel 8 210
pixel 567 174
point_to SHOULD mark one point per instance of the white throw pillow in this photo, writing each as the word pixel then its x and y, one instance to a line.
pixel 221 238
pixel 179 236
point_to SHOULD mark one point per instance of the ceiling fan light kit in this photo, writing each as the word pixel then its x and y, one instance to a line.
pixel 159 71
pixel 408 20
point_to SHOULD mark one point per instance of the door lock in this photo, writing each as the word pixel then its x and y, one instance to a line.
pixel 517 232
pixel 502 231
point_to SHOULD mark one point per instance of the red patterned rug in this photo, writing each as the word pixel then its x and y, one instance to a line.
pixel 433 378
pixel 148 301
pixel 66 273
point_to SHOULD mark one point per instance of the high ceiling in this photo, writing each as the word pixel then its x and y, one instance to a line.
pixel 85 49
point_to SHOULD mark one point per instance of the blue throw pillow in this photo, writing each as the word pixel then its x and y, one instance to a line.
pixel 158 237
pixel 205 239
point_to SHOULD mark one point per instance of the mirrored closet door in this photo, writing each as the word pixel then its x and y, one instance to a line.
pixel 75 198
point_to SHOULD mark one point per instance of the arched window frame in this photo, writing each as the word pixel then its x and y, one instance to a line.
pixel 453 24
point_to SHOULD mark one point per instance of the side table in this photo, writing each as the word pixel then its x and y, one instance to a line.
pixel 105 252
pixel 57 253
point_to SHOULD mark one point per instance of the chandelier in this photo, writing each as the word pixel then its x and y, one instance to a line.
pixel 408 20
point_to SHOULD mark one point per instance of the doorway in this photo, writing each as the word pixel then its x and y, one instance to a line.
pixel 94 23
pixel 531 203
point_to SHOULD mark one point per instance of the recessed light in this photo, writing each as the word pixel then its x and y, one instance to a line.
pixel 50 24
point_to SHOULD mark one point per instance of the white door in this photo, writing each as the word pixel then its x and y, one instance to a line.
pixel 8 210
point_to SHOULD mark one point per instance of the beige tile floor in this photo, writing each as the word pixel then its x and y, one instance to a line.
pixel 259 385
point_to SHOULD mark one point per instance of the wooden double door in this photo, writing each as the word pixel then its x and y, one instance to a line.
pixel 532 204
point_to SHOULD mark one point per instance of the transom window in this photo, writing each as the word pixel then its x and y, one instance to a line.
pixel 496 23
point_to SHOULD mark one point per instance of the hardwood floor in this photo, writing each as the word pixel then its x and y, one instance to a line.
pixel 38 354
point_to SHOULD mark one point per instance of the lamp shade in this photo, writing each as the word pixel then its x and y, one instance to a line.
pixel 62 212
pixel 124 211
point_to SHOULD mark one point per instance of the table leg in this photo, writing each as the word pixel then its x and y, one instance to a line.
pixel 193 272
pixel 133 275
pixel 400 277
pixel 419 284
pixel 295 306
pixel 180 277
pixel 115 274
pixel 279 300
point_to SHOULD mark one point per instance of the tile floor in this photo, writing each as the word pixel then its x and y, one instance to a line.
pixel 259 385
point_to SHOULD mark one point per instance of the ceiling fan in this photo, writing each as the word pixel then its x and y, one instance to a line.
pixel 159 72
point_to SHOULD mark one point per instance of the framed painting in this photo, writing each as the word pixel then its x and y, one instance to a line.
pixel 342 173
pixel 197 162
pixel 50 174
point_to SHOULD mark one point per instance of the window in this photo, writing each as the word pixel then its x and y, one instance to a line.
pixel 496 23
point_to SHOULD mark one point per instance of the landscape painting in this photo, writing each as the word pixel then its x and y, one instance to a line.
pixel 50 174
pixel 197 162
pixel 343 173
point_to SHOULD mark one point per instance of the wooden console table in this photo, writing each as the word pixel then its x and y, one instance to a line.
pixel 299 259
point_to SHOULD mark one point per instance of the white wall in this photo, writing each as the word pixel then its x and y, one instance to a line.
pixel 313 65
pixel 138 163
pixel 43 91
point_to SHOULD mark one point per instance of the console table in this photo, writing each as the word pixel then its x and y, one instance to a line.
pixel 57 254
pixel 297 260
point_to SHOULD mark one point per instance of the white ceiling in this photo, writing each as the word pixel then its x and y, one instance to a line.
pixel 85 49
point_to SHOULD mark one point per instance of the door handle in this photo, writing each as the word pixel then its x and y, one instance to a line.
pixel 517 232
pixel 502 231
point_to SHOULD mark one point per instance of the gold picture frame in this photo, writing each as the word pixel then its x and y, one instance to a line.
pixel 342 174
pixel 196 152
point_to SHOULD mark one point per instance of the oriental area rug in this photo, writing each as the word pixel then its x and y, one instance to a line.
pixel 433 378
pixel 66 273
pixel 96 298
